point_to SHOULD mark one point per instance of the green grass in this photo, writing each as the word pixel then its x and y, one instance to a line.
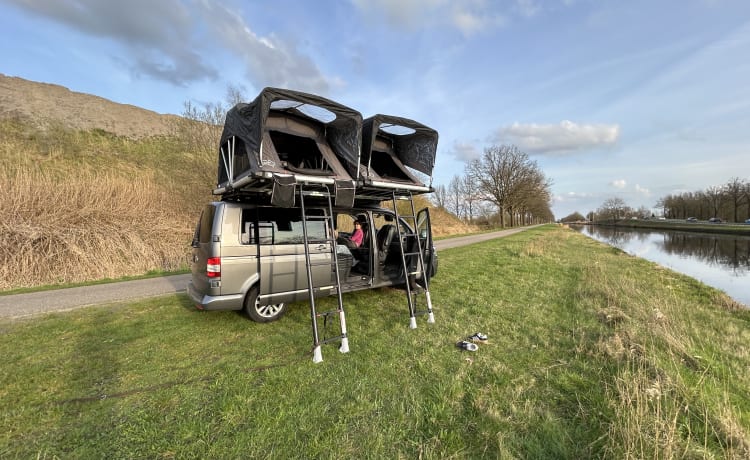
pixel 734 228
pixel 592 353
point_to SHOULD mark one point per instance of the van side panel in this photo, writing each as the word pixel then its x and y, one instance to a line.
pixel 239 262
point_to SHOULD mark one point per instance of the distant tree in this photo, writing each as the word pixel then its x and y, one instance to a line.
pixel 575 217
pixel 456 196
pixel 200 127
pixel 471 196
pixel 613 209
pixel 735 192
pixel 715 198
pixel 507 178
pixel 643 212
pixel 440 197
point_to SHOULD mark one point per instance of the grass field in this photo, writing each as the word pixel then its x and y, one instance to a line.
pixel 591 353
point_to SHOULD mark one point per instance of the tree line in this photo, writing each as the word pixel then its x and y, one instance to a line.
pixel 502 187
pixel 728 202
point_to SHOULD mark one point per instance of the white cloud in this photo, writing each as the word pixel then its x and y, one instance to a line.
pixel 641 190
pixel 528 8
pixel 619 183
pixel 468 16
pixel 470 22
pixel 176 42
pixel 571 197
pixel 564 137
pixel 465 151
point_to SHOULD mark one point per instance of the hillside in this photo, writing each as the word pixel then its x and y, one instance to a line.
pixel 93 189
pixel 43 104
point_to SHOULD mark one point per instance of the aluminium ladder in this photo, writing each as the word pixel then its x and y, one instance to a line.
pixel 410 295
pixel 330 240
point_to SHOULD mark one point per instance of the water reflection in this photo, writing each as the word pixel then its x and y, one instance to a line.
pixel 722 261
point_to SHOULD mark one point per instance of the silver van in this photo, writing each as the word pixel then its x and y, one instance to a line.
pixel 251 257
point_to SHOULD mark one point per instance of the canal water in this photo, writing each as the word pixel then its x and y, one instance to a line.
pixel 721 261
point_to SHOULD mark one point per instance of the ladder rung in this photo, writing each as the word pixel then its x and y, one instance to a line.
pixel 332 339
pixel 320 264
pixel 328 313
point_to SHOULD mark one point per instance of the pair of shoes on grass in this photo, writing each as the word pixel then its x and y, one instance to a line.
pixel 469 344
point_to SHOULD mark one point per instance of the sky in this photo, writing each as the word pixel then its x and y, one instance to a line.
pixel 633 99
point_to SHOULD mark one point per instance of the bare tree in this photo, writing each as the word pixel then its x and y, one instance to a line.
pixel 456 199
pixel 715 198
pixel 471 195
pixel 735 192
pixel 440 196
pixel 502 175
pixel 200 127
pixel 613 209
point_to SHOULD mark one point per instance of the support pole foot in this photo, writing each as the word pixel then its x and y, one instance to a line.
pixel 317 354
pixel 412 323
pixel 344 348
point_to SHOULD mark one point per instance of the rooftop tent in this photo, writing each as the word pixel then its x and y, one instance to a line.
pixel 289 135
pixel 391 148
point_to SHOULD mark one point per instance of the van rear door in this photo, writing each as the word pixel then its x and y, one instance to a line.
pixel 203 248
pixel 424 230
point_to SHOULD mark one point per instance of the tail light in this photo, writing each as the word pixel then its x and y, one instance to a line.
pixel 213 267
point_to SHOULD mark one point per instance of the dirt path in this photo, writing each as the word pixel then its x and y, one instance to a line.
pixel 34 303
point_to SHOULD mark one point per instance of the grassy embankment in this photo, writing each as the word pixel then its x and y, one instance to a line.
pixel 76 207
pixel 592 353
pixel 682 225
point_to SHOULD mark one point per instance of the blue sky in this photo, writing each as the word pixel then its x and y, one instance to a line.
pixel 634 99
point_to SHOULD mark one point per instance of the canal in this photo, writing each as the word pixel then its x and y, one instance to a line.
pixel 721 261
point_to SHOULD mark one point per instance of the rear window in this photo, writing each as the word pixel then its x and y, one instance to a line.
pixel 281 226
pixel 205 227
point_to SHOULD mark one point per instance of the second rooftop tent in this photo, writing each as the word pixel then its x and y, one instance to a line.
pixel 285 137
pixel 394 151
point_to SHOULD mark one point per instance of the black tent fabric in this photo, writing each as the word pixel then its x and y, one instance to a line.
pixel 245 125
pixel 415 147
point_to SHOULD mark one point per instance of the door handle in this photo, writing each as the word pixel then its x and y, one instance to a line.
pixel 321 247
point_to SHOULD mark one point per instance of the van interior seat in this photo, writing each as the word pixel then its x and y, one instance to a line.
pixel 385 237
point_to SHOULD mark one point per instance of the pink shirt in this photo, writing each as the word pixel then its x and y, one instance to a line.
pixel 357 236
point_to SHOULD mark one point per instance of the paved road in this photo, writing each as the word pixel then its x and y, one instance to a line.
pixel 21 305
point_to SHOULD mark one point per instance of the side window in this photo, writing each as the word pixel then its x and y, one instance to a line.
pixel 281 226
pixel 381 219
pixel 205 227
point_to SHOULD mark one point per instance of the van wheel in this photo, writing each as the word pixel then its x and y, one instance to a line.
pixel 262 313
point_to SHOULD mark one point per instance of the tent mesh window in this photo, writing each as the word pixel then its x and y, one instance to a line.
pixel 299 153
pixel 383 164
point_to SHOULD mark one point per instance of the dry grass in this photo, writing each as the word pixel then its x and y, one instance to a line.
pixel 65 218
pixel 659 371
pixel 90 226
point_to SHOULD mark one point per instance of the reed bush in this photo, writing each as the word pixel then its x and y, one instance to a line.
pixel 81 206
pixel 91 226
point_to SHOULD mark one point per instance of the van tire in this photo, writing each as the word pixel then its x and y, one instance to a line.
pixel 262 314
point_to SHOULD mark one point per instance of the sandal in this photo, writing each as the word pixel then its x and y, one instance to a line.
pixel 468 346
pixel 478 337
